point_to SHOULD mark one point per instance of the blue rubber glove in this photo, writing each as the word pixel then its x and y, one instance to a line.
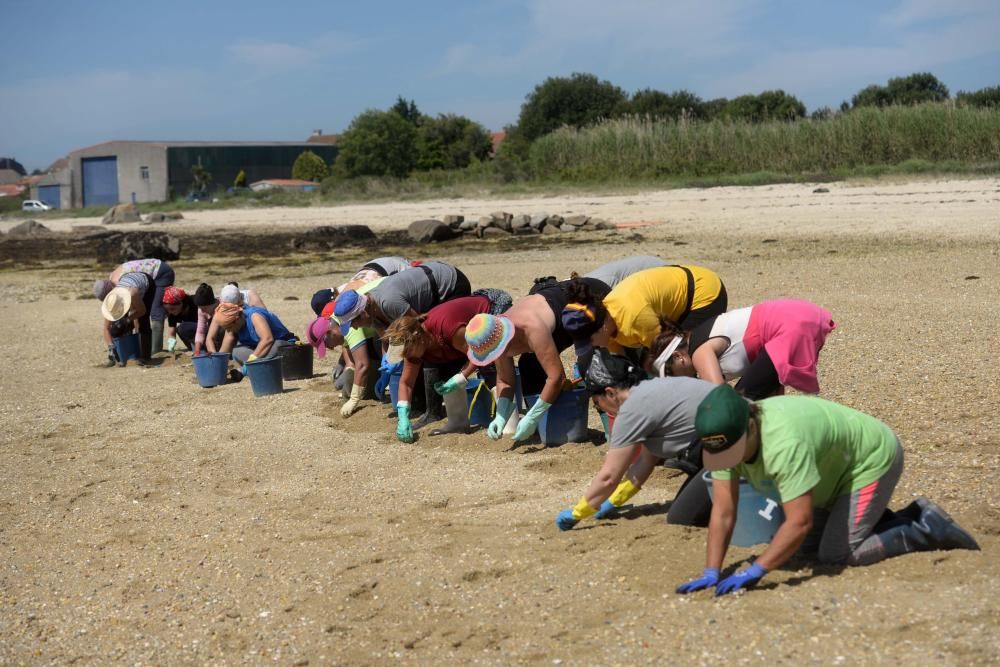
pixel 529 422
pixel 608 509
pixel 505 408
pixel 709 577
pixel 171 344
pixel 747 578
pixel 404 432
pixel 456 381
pixel 565 519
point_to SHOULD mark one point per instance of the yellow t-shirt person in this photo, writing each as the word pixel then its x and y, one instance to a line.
pixel 636 303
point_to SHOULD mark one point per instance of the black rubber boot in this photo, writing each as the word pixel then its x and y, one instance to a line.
pixel 145 343
pixel 935 529
pixel 434 401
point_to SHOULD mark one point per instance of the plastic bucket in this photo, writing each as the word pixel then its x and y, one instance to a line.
pixel 489 375
pixel 296 362
pixel 265 376
pixel 758 517
pixel 211 369
pixel 480 402
pixel 566 420
pixel 127 347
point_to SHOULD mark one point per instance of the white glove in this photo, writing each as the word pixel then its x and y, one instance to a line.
pixel 357 391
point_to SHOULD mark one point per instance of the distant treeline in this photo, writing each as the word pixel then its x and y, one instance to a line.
pixel 580 127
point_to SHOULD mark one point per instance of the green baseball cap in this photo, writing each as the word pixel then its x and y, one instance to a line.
pixel 721 423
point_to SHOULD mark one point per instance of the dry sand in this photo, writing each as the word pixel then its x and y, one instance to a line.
pixel 145 520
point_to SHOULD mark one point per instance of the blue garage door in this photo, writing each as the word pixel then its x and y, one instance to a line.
pixel 100 181
pixel 49 194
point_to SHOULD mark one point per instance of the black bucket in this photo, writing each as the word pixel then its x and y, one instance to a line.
pixel 297 362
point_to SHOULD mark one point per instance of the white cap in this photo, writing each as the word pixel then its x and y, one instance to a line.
pixel 231 294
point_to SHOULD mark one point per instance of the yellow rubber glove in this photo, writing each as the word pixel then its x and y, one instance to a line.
pixel 626 489
pixel 252 357
pixel 621 495
pixel 583 509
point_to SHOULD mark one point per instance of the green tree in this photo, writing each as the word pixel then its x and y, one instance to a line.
pixel 769 105
pixel 657 104
pixel 913 89
pixel 448 141
pixel 377 143
pixel 917 89
pixel 988 98
pixel 577 101
pixel 714 108
pixel 309 167
pixel 241 180
pixel 407 109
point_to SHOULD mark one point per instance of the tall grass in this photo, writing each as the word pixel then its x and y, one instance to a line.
pixel 638 148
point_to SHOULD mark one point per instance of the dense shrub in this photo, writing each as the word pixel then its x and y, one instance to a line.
pixel 640 148
pixel 984 98
pixel 449 141
pixel 308 167
pixel 909 90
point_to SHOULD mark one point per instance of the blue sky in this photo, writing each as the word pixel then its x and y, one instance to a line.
pixel 77 73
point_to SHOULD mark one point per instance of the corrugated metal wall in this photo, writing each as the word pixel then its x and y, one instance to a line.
pixel 100 181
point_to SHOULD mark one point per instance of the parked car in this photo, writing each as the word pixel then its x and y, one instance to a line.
pixel 34 205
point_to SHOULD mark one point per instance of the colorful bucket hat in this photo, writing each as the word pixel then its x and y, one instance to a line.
pixel 488 336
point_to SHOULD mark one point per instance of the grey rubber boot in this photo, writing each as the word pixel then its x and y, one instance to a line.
pixel 456 406
pixel 434 401
pixel 347 381
pixel 337 374
pixel 156 327
pixel 935 529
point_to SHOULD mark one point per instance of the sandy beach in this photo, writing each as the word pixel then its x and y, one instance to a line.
pixel 144 520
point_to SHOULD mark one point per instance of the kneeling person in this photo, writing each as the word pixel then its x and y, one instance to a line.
pixel 818 454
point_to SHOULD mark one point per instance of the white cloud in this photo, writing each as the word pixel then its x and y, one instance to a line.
pixel 970 31
pixel 627 32
pixel 267 56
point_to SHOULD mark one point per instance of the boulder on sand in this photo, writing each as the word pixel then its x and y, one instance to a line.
pixel 121 214
pixel 29 228
pixel 428 231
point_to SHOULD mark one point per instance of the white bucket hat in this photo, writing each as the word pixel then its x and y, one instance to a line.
pixel 116 304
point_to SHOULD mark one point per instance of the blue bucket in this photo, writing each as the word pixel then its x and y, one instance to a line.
pixel 127 347
pixel 566 420
pixel 480 402
pixel 758 517
pixel 211 369
pixel 265 376
pixel 489 374
pixel 394 387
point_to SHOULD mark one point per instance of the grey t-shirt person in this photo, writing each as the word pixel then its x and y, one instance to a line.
pixel 412 289
pixel 388 266
pixel 613 273
pixel 660 414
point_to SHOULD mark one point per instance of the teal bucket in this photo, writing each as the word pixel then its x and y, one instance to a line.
pixel 265 376
pixel 480 402
pixel 566 420
pixel 127 347
pixel 758 517
pixel 211 369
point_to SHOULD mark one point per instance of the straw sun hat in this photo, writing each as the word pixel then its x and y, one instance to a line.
pixel 116 304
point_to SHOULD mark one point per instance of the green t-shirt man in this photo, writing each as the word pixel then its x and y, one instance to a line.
pixel 356 336
pixel 808 443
